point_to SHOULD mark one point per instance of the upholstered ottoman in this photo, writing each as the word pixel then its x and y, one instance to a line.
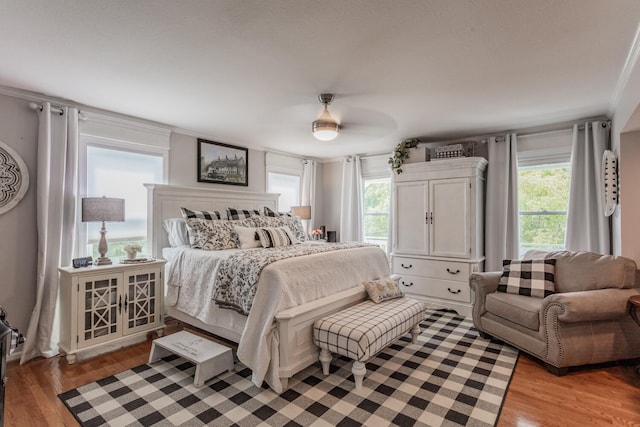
pixel 361 331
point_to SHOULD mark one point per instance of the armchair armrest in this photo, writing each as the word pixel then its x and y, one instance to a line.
pixel 482 284
pixel 588 306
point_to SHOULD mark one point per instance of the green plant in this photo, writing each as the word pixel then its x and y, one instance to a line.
pixel 401 153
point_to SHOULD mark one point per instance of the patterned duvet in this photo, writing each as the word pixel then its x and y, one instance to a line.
pixel 237 277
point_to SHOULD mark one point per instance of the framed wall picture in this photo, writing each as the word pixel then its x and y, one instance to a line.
pixel 220 163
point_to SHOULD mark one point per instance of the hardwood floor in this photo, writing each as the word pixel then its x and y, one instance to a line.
pixel 593 396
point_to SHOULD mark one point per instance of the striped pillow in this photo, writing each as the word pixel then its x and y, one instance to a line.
pixel 534 277
pixel 293 224
pixel 233 213
pixel 188 213
pixel 275 237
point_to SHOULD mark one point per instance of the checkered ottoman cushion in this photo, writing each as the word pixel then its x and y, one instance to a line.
pixel 361 331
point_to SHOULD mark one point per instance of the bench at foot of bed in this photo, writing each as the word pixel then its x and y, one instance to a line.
pixel 361 331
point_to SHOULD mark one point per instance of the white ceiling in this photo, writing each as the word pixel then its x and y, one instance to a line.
pixel 248 72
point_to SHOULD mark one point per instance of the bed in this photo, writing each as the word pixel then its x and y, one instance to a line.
pixel 275 337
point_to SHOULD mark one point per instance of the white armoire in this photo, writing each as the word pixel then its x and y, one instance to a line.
pixel 438 222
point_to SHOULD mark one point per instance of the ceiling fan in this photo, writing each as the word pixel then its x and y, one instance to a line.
pixel 325 128
pixel 347 117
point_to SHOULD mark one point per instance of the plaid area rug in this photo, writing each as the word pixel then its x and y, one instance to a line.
pixel 451 377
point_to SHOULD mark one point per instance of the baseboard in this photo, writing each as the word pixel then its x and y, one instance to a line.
pixel 14 356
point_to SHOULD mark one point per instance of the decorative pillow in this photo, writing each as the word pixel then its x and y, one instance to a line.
pixel 275 237
pixel 177 232
pixel 271 213
pixel 211 235
pixel 535 278
pixel 247 237
pixel 188 213
pixel 383 289
pixel 293 222
pixel 233 213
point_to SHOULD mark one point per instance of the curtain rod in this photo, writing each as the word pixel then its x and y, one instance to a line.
pixel 38 107
pixel 557 128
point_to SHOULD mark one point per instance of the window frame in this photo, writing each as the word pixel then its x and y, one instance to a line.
pixel 283 171
pixel 541 166
pixel 376 176
pixel 86 140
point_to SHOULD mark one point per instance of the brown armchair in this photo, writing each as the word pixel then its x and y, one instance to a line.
pixel 586 321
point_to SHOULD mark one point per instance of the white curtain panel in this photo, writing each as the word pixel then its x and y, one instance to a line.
pixel 308 196
pixel 587 227
pixel 56 218
pixel 502 226
pixel 351 202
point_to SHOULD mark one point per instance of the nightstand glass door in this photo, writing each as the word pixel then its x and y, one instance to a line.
pixel 99 316
pixel 141 300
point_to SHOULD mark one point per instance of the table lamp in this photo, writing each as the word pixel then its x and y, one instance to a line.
pixel 102 209
pixel 304 212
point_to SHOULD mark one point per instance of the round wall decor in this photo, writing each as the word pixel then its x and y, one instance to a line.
pixel 14 178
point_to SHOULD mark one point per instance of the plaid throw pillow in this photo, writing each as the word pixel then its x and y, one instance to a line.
pixel 233 213
pixel 274 237
pixel 188 213
pixel 271 213
pixel 533 277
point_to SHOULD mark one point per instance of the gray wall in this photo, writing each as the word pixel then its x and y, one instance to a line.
pixel 183 166
pixel 331 195
pixel 625 142
pixel 18 234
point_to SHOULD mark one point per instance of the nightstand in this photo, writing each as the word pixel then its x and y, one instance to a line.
pixel 103 308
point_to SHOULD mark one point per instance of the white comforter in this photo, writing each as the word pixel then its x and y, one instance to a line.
pixel 283 284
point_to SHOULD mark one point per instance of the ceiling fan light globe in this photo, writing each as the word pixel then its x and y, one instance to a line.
pixel 325 131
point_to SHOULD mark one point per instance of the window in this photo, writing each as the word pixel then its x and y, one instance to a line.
pixel 543 200
pixel 377 198
pixel 288 186
pixel 544 171
pixel 116 172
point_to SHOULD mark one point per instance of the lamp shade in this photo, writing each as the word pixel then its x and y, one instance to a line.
pixel 325 131
pixel 304 212
pixel 325 128
pixel 102 209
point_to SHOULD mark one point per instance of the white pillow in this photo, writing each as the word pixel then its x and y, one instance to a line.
pixel 247 237
pixel 177 232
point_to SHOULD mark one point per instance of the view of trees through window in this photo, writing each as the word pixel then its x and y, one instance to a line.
pixel 377 200
pixel 543 199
